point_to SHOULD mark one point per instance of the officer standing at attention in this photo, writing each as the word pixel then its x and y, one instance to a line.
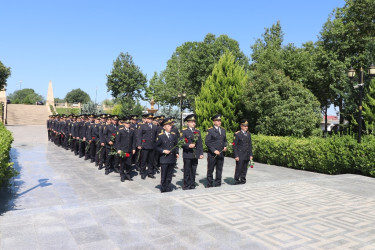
pixel 243 152
pixel 146 142
pixel 125 144
pixel 216 142
pixel 192 151
pixel 166 146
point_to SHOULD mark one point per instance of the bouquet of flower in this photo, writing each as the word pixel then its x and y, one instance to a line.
pixel 113 151
pixel 113 137
pixel 178 145
pixel 251 164
pixel 99 151
pixel 124 155
pixel 87 149
pixel 229 147
pixel 70 140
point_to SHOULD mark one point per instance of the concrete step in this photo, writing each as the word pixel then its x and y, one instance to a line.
pixel 21 114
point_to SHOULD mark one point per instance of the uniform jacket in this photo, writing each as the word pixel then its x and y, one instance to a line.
pixel 146 137
pixel 188 153
pixel 165 143
pixel 242 147
pixel 125 140
pixel 215 140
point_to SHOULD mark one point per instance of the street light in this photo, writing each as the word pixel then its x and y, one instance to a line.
pixel 181 96
pixel 351 74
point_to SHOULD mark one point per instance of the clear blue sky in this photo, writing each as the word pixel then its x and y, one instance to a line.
pixel 74 43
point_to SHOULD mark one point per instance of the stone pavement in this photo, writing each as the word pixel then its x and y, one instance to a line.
pixel 62 202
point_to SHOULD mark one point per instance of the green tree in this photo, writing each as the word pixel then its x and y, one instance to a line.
pixel 344 39
pixel 59 100
pixel 77 95
pixel 275 105
pixel 126 83
pixel 191 64
pixel 369 107
pixel 126 80
pixel 25 96
pixel 91 108
pixel 276 100
pixel 4 74
pixel 221 93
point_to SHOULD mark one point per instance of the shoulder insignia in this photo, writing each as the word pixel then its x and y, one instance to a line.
pixel 132 128
pixel 181 134
pixel 173 133
pixel 209 128
pixel 161 133
pixel 237 132
pixel 184 128
pixel 121 128
pixel 117 132
pixel 197 129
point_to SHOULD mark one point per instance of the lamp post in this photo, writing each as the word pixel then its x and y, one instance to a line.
pixel 351 74
pixel 181 96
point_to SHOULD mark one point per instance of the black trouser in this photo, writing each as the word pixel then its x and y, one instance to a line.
pixel 92 150
pixel 190 169
pixel 76 146
pixel 125 166
pixel 213 162
pixel 240 172
pixel 97 154
pixel 49 134
pixel 147 158
pixel 81 148
pixel 156 163
pixel 166 177
pixel 102 156
pixel 66 141
pixel 110 159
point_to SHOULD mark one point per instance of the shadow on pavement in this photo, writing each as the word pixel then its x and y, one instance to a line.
pixel 9 194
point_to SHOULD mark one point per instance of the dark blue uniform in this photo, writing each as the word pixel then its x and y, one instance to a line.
pixel 191 155
pixel 125 141
pixel 167 161
pixel 215 140
pixel 242 149
pixel 146 138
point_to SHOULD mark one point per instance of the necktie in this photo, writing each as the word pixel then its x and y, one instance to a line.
pixel 167 135
pixel 219 131
pixel 150 125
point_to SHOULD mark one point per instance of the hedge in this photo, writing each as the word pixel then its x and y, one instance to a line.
pixel 332 155
pixel 6 167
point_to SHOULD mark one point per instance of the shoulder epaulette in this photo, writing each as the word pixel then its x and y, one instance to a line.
pixel 238 132
pixel 161 133
pixel 173 133
pixel 121 128
pixel 184 128
pixel 197 129
pixel 209 128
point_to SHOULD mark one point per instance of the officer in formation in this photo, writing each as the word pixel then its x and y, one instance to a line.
pixel 192 151
pixel 166 145
pixel 243 152
pixel 118 144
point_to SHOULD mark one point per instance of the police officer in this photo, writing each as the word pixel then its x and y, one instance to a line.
pixel 100 154
pixel 192 151
pixel 146 140
pixel 110 132
pixel 125 144
pixel 216 142
pixel 166 146
pixel 243 152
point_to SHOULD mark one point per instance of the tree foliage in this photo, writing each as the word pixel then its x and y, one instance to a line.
pixel 77 95
pixel 25 96
pixel 4 74
pixel 126 81
pixel 221 93
pixel 191 64
pixel 276 100
pixel 91 108
pixel 345 40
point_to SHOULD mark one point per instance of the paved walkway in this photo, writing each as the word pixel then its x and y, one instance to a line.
pixel 62 202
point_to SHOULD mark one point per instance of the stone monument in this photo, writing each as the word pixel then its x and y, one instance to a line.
pixel 50 98
pixel 152 109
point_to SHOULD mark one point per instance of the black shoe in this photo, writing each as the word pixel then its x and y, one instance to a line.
pixel 100 167
pixel 106 172
pixel 122 179
pixel 143 177
pixel 116 170
pixel 129 179
pixel 151 176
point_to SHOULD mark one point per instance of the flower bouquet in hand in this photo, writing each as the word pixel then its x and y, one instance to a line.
pixel 87 149
pixel 124 155
pixel 178 145
pixel 251 164
pixel 113 151
pixel 229 147
pixel 113 137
